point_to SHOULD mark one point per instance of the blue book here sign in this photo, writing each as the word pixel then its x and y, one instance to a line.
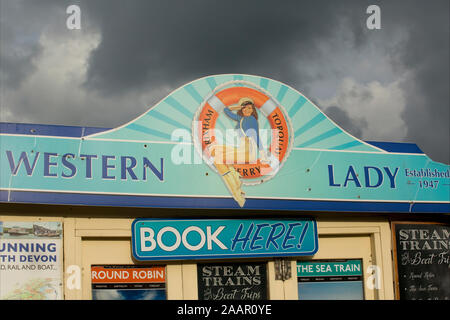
pixel 177 239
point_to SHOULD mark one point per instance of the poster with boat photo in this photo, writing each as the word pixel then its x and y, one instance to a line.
pixel 31 260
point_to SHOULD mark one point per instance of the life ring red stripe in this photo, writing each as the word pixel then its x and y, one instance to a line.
pixel 232 95
pixel 207 118
pixel 280 137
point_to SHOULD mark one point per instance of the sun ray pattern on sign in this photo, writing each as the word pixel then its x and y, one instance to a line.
pixel 312 129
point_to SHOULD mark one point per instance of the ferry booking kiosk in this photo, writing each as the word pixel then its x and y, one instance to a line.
pixel 231 187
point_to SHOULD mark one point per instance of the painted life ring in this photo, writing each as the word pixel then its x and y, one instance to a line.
pixel 215 105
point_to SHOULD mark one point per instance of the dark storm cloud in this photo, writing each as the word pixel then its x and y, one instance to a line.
pixel 342 118
pixel 21 25
pixel 422 60
pixel 171 42
pixel 149 48
pixel 425 56
pixel 17 64
pixel 149 43
pixel 19 45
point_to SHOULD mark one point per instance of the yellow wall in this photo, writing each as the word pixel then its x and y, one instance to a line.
pixel 101 240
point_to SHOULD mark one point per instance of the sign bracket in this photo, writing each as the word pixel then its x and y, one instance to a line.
pixel 283 270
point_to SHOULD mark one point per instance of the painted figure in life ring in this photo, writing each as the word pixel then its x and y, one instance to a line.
pixel 247 150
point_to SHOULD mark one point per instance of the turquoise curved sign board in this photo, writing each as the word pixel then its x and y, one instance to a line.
pixel 224 141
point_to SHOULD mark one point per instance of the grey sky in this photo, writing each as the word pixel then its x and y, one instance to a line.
pixel 388 85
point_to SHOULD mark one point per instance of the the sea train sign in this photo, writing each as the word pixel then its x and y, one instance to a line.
pixel 225 141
